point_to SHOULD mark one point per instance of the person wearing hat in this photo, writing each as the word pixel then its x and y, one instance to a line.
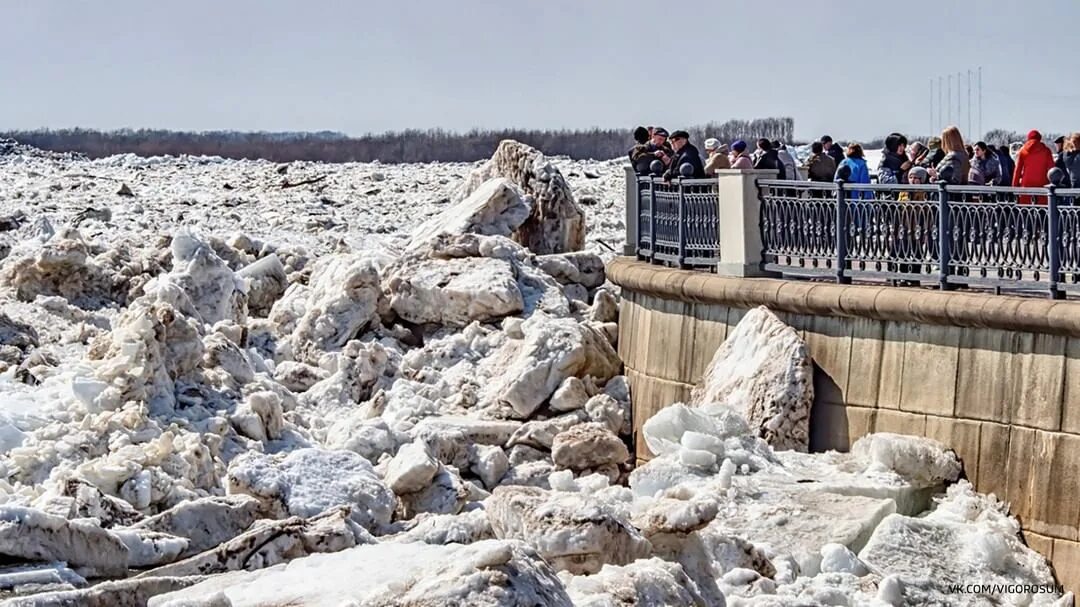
pixel 657 148
pixel 685 153
pixel 934 157
pixel 1032 164
pixel 740 158
pixel 718 157
pixel 1059 153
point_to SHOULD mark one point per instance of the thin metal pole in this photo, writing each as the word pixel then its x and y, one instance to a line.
pixel 931 106
pixel 944 238
pixel 841 233
pixel 1053 241
pixel 970 127
pixel 948 107
pixel 958 108
pixel 982 133
pixel 940 90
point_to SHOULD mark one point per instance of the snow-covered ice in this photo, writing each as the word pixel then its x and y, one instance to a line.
pixel 402 381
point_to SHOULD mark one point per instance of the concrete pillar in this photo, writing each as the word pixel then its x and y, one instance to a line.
pixel 633 213
pixel 739 222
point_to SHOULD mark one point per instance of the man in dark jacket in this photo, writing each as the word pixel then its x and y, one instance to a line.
pixel 820 166
pixel 769 159
pixel 832 150
pixel 1008 165
pixel 685 153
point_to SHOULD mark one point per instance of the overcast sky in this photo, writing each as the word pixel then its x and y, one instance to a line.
pixel 853 69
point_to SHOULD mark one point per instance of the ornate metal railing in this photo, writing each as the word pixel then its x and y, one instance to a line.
pixel 677 221
pixel 1022 239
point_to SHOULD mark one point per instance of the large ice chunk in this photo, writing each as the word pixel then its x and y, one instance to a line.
pixel 574 532
pixel 489 573
pixel 308 481
pixel 495 208
pixel 763 371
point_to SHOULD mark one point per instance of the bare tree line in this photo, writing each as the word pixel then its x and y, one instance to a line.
pixel 432 145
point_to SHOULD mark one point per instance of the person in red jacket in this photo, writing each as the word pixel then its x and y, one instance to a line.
pixel 1032 164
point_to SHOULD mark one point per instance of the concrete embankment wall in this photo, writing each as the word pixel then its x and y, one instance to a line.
pixel 996 378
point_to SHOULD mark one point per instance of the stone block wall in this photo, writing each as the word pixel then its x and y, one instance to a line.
pixel 996 378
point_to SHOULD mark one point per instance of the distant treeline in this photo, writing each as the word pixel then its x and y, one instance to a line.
pixel 403 146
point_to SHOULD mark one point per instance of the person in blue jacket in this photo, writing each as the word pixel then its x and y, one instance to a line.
pixel 857 171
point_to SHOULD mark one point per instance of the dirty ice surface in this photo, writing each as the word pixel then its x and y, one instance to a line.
pixel 222 381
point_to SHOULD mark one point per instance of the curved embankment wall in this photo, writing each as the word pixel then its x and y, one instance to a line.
pixel 996 378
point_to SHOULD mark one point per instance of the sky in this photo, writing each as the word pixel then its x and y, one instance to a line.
pixel 851 69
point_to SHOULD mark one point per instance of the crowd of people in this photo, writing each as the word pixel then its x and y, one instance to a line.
pixel 945 159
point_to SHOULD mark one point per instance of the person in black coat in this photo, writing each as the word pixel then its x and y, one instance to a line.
pixel 833 150
pixel 894 165
pixel 769 159
pixel 685 153
pixel 1008 165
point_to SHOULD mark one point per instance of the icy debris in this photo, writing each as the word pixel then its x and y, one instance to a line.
pixel 150 548
pixel 259 417
pixel 588 446
pixel 763 371
pixel 33 535
pixel 411 469
pixel 605 307
pixel 454 292
pixel 205 522
pixel 447 493
pixel 342 299
pixel 490 573
pixel 26 577
pixel 212 288
pixel 569 396
pixel 489 463
pixel 557 223
pixel 465 528
pixel 646 582
pixel 134 592
pixel 836 558
pixel 922 461
pixel 495 208
pixel 265 281
pixel 553 349
pixel 585 269
pixel 308 481
pixel 968 537
pixel 297 376
pixel 573 532
pixel 268 543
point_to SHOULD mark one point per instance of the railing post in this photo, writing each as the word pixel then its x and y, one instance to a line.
pixel 841 233
pixel 944 238
pixel 1053 241
pixel 633 213
pixel 652 219
pixel 682 224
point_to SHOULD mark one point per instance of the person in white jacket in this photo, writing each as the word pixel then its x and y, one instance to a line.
pixel 791 170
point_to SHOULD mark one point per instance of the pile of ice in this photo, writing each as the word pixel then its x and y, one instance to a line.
pixel 439 418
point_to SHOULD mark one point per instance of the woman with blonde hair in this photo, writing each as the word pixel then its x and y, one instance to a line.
pixel 1070 157
pixel 956 165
